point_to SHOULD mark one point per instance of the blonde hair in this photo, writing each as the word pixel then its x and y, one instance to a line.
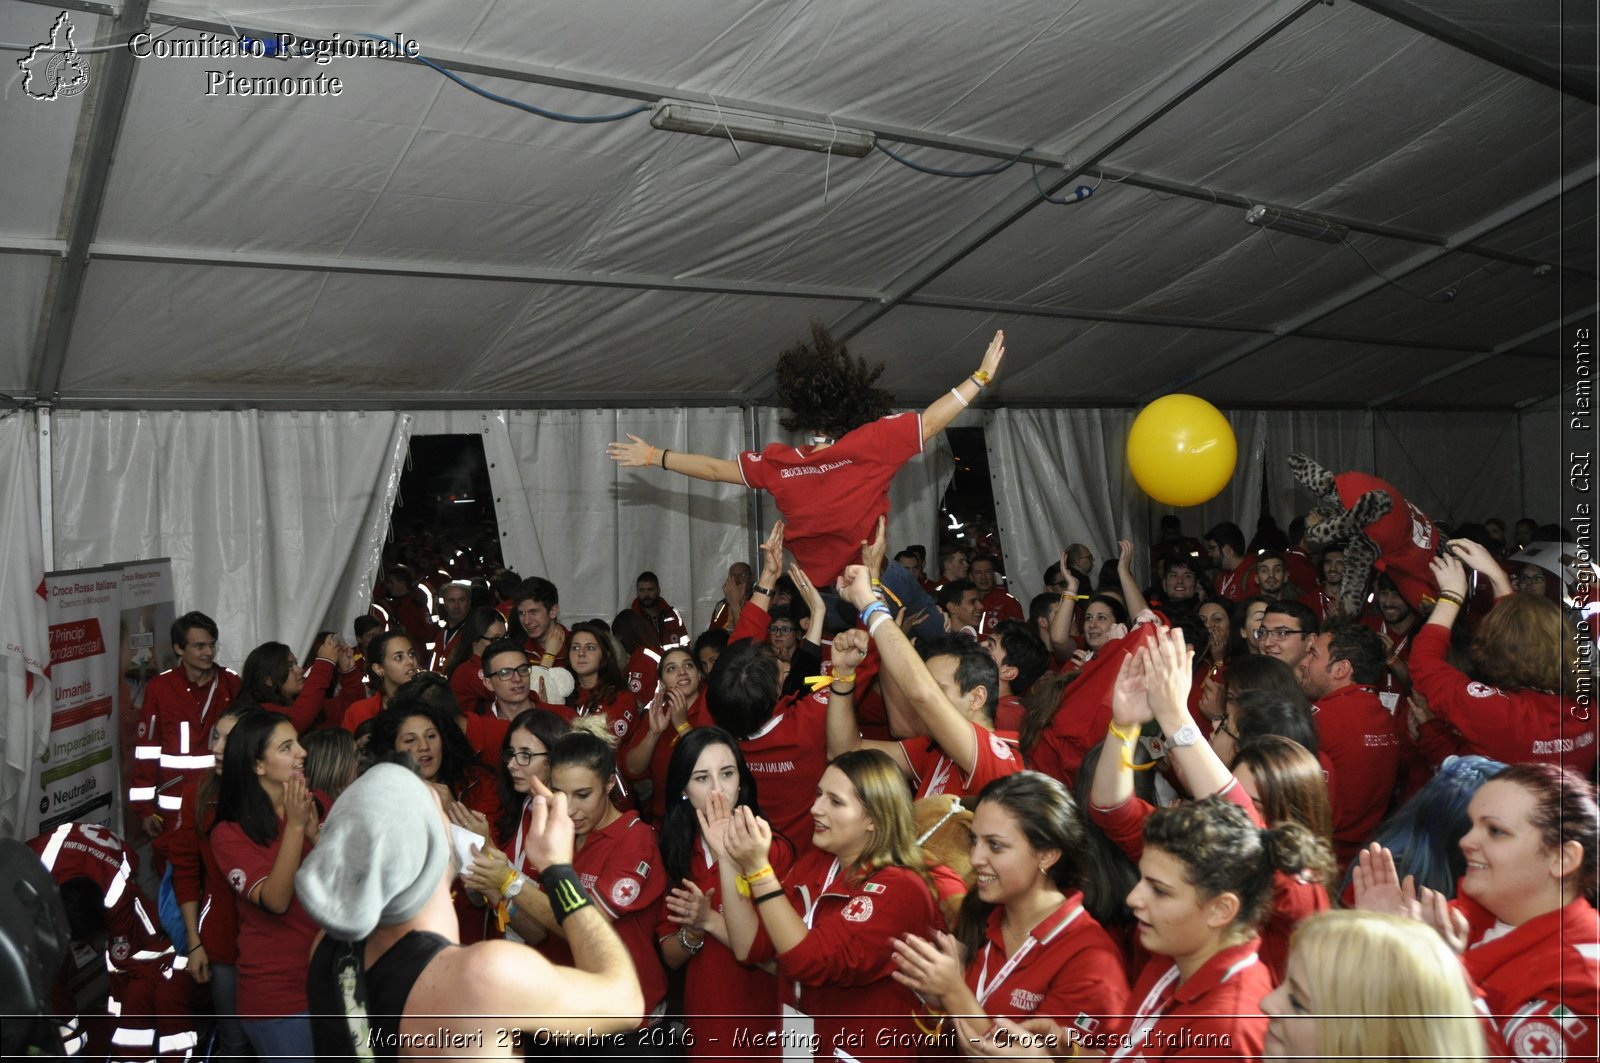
pixel 880 786
pixel 1385 988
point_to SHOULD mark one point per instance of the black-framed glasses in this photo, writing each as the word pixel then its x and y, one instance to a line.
pixel 524 670
pixel 1527 579
pixel 521 756
pixel 1276 633
pixel 782 629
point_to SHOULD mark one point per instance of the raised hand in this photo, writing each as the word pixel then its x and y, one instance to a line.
pixel 1451 923
pixel 1168 673
pixel 714 820
pixel 849 650
pixel 1449 574
pixel 1378 887
pixel 995 353
pixel 631 455
pixel 658 714
pixel 855 586
pixel 748 840
pixel 808 590
pixel 874 552
pixel 1130 702
pixel 549 839
pixel 772 556
pixel 487 872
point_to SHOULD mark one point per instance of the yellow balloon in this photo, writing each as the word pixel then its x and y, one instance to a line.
pixel 1181 450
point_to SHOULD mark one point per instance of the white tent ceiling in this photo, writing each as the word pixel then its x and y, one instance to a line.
pixel 411 243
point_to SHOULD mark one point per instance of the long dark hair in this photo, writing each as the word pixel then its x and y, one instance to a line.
pixel 1108 875
pixel 1047 816
pixel 609 678
pixel 457 761
pixel 262 677
pixel 548 728
pixel 243 800
pixel 478 621
pixel 206 793
pixel 680 826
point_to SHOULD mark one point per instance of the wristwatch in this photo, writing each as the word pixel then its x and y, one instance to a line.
pixel 515 886
pixel 1187 735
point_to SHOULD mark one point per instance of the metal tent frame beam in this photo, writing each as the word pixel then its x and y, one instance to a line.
pixel 1191 75
pixel 1367 286
pixel 83 203
pixel 1499 349
pixel 1432 24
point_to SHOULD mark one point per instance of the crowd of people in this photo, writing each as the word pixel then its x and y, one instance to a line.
pixel 1176 807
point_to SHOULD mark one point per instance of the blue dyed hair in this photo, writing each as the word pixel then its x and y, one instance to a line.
pixel 1424 834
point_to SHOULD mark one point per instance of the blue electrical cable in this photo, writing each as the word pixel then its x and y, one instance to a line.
pixel 1002 168
pixel 556 116
pixel 1079 194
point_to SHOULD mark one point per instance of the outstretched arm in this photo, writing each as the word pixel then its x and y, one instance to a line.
pixel 946 408
pixel 638 453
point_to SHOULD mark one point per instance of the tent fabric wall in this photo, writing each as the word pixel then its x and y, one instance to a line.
pixel 1060 477
pixel 591 526
pixel 24 638
pixel 273 521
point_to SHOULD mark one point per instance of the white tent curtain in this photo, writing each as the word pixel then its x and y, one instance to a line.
pixel 1061 477
pixel 24 645
pixel 914 493
pixel 1338 440
pixel 569 513
pixel 273 521
pixel 1240 500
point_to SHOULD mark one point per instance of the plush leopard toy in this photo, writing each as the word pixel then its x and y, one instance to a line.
pixel 1380 528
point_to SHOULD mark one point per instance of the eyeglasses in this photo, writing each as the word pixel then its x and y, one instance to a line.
pixel 524 670
pixel 521 756
pixel 781 629
pixel 1277 634
pixel 1527 579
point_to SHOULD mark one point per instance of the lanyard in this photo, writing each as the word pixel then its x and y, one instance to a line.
pixel 1149 1012
pixel 985 987
pixel 811 909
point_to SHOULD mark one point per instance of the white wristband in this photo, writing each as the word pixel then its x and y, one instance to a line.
pixel 957 396
pixel 872 625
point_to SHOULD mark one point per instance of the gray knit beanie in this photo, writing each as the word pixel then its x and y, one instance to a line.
pixel 382 853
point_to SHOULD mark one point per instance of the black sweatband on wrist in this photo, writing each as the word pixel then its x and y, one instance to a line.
pixel 758 589
pixel 565 890
pixel 766 897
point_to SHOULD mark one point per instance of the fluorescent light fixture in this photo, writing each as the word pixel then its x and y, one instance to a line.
pixel 1284 220
pixel 682 116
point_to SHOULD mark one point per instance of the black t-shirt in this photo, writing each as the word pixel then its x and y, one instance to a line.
pixel 355 1014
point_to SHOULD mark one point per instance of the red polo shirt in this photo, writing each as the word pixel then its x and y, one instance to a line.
pixel 1068 969
pixel 1357 734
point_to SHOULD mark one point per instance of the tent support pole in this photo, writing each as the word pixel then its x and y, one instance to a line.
pixel 47 507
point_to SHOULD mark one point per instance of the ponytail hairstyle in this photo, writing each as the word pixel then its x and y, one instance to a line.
pixel 589 750
pixel 1564 811
pixel 1047 817
pixel 1223 851
pixel 1109 876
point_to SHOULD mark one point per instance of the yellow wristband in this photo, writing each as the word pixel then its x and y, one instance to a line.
pixel 684 728
pixel 743 882
pixel 1125 736
pixel 511 876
